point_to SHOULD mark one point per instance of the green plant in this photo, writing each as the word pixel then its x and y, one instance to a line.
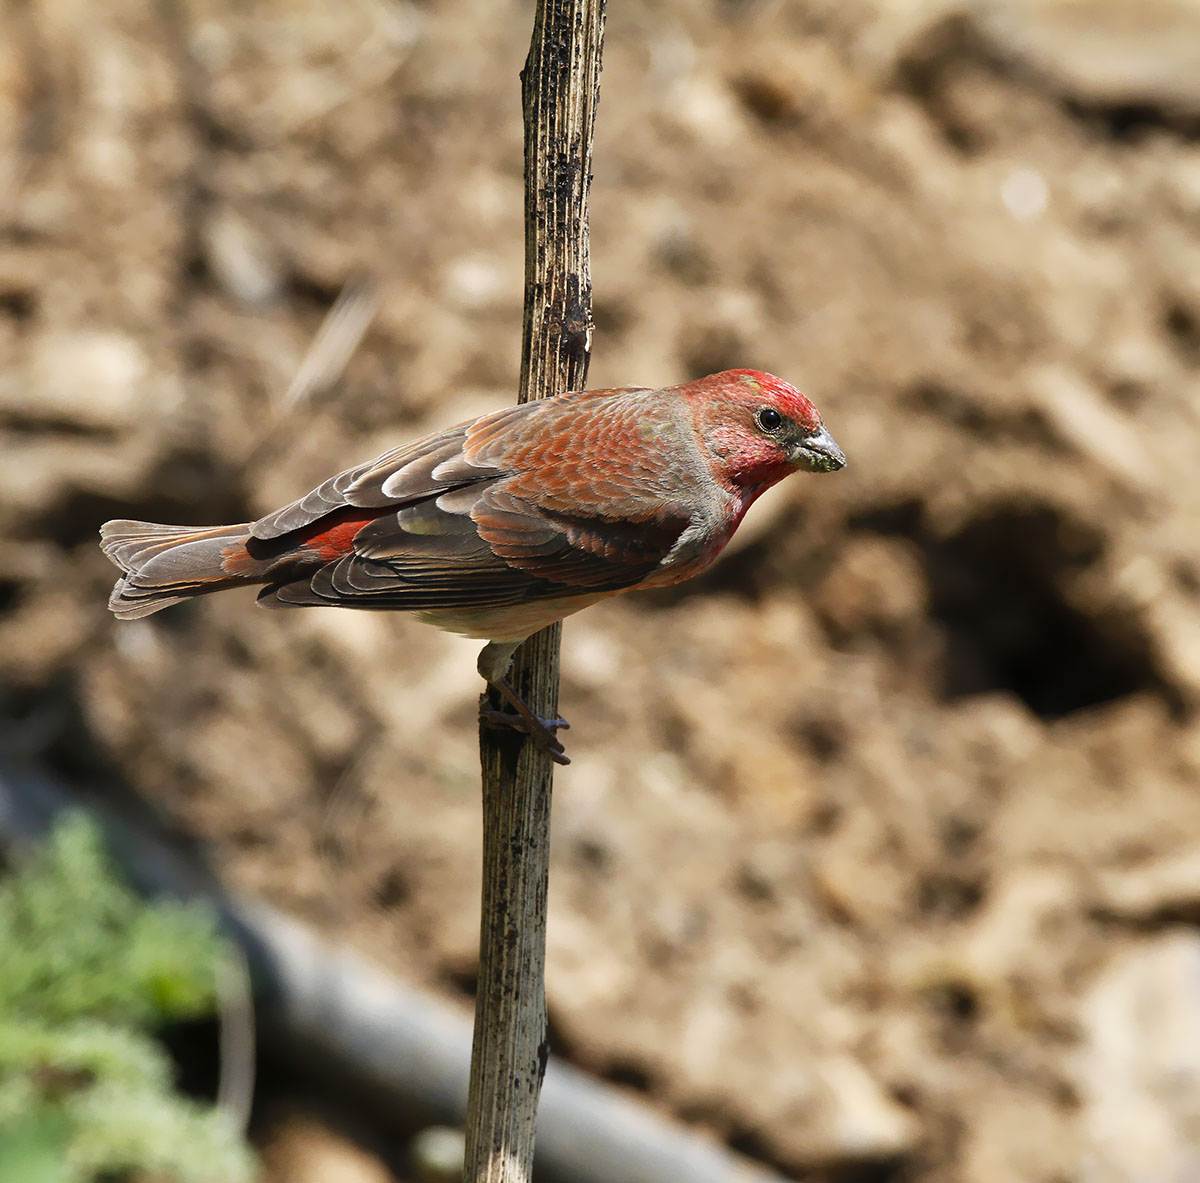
pixel 88 972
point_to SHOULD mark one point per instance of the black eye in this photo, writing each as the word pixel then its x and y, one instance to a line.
pixel 768 419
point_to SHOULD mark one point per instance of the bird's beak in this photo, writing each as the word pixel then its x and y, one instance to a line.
pixel 818 452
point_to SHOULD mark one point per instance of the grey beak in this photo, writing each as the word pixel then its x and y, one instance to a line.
pixel 819 453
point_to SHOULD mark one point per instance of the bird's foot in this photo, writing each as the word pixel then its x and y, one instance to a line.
pixel 521 718
pixel 540 730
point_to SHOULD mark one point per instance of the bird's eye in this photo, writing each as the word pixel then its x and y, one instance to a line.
pixel 768 419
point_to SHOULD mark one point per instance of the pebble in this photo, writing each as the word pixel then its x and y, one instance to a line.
pixel 1138 1070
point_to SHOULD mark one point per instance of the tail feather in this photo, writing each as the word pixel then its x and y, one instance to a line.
pixel 162 565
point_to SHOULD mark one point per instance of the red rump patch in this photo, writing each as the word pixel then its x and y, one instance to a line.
pixel 324 541
pixel 333 536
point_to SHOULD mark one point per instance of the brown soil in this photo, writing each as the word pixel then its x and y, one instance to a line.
pixel 864 831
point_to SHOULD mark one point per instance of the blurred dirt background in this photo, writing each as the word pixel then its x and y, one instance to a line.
pixel 880 853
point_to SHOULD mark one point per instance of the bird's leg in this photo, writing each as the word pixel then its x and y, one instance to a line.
pixel 493 666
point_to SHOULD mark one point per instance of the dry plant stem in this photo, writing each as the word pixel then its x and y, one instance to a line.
pixel 560 87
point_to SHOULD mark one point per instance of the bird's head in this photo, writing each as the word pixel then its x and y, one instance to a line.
pixel 759 428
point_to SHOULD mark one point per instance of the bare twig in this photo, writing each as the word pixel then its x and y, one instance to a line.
pixel 560 87
pixel 331 349
pixel 322 367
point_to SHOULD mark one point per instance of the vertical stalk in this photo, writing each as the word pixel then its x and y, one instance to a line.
pixel 560 86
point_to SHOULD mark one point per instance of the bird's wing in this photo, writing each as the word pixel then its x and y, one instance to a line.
pixel 405 471
pixel 570 496
pixel 481 546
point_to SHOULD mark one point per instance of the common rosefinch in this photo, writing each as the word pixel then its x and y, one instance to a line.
pixel 498 527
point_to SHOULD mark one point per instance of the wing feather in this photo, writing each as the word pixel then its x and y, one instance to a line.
pixel 402 475
pixel 577 495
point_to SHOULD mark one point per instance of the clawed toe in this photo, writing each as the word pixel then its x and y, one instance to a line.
pixel 540 730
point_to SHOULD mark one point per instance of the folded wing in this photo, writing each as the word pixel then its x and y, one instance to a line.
pixel 532 502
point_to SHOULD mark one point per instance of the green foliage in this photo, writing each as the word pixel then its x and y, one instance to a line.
pixel 88 971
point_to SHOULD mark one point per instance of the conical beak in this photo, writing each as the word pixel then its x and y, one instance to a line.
pixel 818 453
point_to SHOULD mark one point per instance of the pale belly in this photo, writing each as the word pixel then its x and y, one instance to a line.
pixel 512 623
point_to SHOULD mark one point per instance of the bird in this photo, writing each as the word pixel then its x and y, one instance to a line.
pixel 501 525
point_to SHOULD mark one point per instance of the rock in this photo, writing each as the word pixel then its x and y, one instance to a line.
pixel 1099 53
pixel 92 380
pixel 865 1124
pixel 1138 1070
pixel 1106 52
pixel 1165 886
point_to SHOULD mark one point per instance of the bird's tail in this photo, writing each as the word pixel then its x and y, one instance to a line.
pixel 162 565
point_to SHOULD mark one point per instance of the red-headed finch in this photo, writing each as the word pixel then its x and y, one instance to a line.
pixel 498 527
